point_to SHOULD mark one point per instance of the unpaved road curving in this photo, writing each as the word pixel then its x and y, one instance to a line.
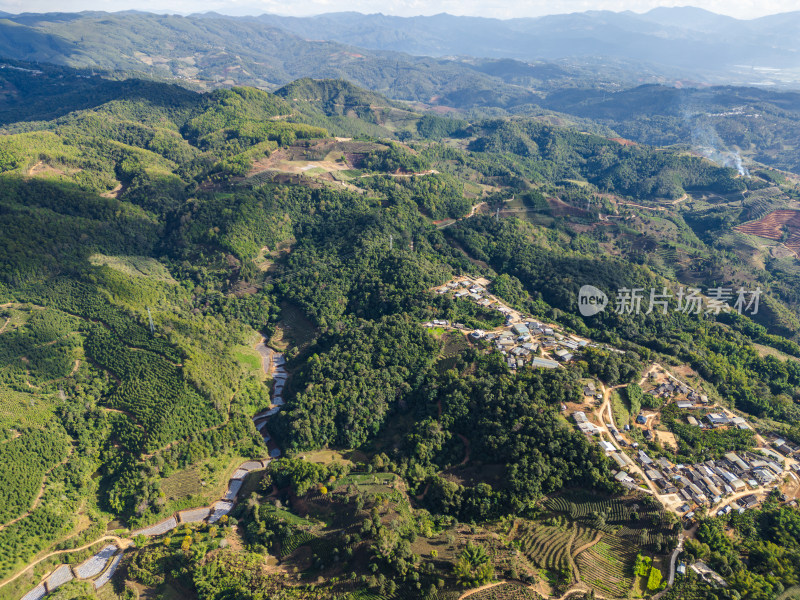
pixel 121 543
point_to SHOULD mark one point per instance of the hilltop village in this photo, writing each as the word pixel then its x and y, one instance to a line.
pixel 736 480
pixel 522 340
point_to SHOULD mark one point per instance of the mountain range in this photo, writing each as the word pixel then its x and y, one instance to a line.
pixel 315 341
pixel 496 62
pixel 671 41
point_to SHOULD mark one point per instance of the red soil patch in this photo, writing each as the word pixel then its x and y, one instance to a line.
pixel 623 142
pixel 772 227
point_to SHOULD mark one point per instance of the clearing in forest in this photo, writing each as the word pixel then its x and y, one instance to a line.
pixel 775 225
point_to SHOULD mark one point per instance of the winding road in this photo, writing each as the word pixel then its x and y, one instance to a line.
pixel 599 414
pixel 121 543
pixel 272 364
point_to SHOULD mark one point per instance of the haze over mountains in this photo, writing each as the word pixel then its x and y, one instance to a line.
pixel 386 53
pixel 292 318
pixel 579 66
pixel 671 40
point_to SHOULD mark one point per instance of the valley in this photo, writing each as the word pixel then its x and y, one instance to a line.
pixel 269 333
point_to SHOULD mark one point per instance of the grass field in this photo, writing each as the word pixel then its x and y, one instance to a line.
pixel 793 593
pixel 250 359
pixel 326 457
pixel 767 351
pixel 182 484
pixel 137 266
pixel 290 517
pixel 197 485
pixel 370 483
pixel 622 416
pixel 454 344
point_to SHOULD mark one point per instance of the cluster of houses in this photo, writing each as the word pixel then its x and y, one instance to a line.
pixel 714 420
pixel 670 389
pixel 786 448
pixel 707 483
pixel 591 391
pixel 466 288
pixel 695 401
pixel 702 484
pixel 587 427
pixel 521 343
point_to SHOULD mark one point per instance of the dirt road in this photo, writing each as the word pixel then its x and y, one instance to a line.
pixel 600 414
pixel 121 543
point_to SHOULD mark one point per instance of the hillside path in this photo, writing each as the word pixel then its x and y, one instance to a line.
pixel 121 543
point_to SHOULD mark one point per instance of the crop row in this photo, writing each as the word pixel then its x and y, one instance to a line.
pixel 546 546
pixel 151 389
pixel 293 542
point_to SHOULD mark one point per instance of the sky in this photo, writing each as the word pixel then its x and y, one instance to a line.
pixel 742 9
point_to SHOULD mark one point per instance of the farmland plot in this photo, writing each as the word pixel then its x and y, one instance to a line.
pixel 505 591
pixel 607 566
pixel 775 225
pixel 547 547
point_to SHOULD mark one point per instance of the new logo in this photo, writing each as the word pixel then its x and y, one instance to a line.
pixel 591 300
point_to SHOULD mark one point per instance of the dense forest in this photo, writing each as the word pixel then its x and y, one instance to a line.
pixel 154 236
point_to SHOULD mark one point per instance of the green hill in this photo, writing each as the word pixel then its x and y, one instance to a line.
pixel 152 236
pixel 211 50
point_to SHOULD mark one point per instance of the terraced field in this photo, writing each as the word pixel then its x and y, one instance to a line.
pixel 607 567
pixel 583 536
pixel 545 546
pixel 773 225
pixel 609 532
pixel 602 561
pixel 581 507
pixel 504 591
pixel 760 202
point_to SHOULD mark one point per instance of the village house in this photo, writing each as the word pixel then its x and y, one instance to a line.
pixel 607 446
pixel 563 355
pixel 520 329
pixel 544 363
pixel 644 459
pixel 717 419
pixel 623 477
pixel 617 458
pixel 748 501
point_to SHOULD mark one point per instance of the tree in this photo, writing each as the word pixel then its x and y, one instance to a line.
pixel 474 568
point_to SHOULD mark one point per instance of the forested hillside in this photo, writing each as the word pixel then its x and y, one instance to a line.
pixel 593 81
pixel 175 262
pixel 254 55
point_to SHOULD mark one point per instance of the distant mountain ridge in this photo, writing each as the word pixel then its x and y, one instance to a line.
pixel 452 59
pixel 213 50
pixel 689 40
